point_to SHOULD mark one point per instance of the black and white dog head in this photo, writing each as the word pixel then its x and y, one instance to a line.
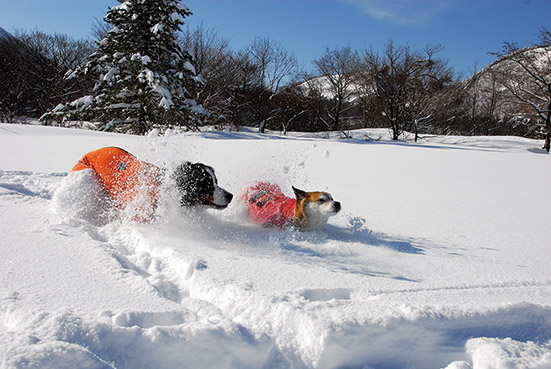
pixel 198 185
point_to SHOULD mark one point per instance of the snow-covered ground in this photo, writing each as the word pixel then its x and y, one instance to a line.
pixel 439 258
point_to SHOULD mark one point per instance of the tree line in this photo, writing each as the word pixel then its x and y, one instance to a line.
pixel 32 69
pixel 263 85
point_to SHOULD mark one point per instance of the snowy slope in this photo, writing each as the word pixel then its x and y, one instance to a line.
pixel 438 259
pixel 4 34
pixel 486 85
pixel 323 86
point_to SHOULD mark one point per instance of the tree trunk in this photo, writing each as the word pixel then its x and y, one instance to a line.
pixel 395 132
pixel 336 124
pixel 547 143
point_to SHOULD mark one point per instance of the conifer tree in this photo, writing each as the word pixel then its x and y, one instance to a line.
pixel 140 69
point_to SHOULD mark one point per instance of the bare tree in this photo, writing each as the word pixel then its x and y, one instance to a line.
pixel 243 89
pixel 100 28
pixel 275 64
pixel 338 67
pixel 64 54
pixel 275 67
pixel 545 37
pixel 529 81
pixel 65 51
pixel 483 97
pixel 405 84
pixel 319 102
pixel 32 66
pixel 386 73
pixel 215 62
pixel 22 84
pixel 429 78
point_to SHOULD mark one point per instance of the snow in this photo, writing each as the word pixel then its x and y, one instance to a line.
pixel 146 60
pixel 111 75
pixel 83 102
pixel 165 103
pixel 189 66
pixel 115 30
pixel 506 353
pixel 439 258
pixel 124 6
pixel 166 97
pixel 58 107
pixel 177 18
pixel 324 86
pixel 182 7
pixel 147 76
pixel 158 28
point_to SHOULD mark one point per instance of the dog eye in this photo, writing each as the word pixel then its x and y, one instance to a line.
pixel 322 200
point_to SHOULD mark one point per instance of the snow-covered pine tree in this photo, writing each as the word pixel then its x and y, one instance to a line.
pixel 140 69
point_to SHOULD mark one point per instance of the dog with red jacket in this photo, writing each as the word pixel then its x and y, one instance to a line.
pixel 134 184
pixel 269 207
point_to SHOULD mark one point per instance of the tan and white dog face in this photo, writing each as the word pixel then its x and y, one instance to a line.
pixel 313 209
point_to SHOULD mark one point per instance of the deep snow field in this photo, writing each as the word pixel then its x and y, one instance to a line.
pixel 440 257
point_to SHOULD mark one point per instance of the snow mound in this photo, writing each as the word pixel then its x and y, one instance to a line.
pixel 197 334
pixel 81 196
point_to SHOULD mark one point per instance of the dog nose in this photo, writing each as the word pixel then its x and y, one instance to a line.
pixel 228 197
pixel 337 206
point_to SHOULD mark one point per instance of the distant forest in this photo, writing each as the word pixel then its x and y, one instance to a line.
pixel 262 85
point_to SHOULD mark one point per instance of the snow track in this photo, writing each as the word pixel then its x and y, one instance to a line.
pixel 329 327
pixel 391 282
pixel 191 331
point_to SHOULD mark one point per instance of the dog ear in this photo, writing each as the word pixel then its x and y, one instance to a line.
pixel 180 176
pixel 298 193
pixel 180 172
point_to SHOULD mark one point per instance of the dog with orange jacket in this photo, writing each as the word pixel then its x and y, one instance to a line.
pixel 269 207
pixel 134 184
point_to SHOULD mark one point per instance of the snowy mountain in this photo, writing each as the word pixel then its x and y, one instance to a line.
pixel 540 54
pixel 484 76
pixel 439 258
pixel 4 34
pixel 322 85
pixel 486 84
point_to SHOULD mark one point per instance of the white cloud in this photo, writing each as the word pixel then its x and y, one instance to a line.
pixel 403 11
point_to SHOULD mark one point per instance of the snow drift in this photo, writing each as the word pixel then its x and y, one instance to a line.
pixel 439 257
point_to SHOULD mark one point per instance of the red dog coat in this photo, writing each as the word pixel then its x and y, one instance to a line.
pixel 129 181
pixel 268 205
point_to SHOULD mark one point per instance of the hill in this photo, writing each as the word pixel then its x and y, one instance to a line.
pixel 322 86
pixel 501 99
pixel 486 82
pixel 4 34
pixel 439 258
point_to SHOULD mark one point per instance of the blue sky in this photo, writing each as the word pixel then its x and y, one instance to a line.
pixel 468 29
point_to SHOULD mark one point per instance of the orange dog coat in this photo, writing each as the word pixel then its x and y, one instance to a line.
pixel 132 183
